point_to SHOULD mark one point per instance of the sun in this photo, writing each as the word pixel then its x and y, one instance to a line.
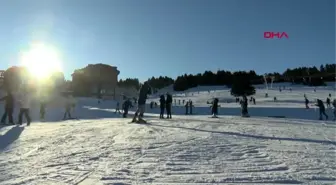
pixel 41 60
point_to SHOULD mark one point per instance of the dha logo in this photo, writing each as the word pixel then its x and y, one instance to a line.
pixel 271 35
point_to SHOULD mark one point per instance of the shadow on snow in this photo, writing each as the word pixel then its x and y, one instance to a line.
pixel 10 136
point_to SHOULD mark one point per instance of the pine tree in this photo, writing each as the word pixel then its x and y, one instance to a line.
pixel 242 86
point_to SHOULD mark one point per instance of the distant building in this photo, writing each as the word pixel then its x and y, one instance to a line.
pixel 95 79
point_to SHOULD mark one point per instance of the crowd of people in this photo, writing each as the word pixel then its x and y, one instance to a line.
pixel 24 102
pixel 320 104
pixel 165 105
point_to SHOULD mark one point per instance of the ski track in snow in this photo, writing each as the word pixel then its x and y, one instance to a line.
pixel 171 152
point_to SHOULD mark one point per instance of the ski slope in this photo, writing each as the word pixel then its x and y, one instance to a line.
pixel 102 148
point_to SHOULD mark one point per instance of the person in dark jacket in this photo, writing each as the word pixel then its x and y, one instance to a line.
pixel 306 102
pixel 162 106
pixel 191 106
pixel 328 101
pixel 169 102
pixel 144 91
pixel 9 108
pixel 244 104
pixel 334 105
pixel 187 108
pixel 322 109
pixel 126 106
pixel 214 107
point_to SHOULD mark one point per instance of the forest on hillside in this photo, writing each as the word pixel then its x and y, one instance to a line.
pixel 105 75
pixel 314 76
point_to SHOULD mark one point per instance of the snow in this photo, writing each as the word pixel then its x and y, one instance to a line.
pixel 103 148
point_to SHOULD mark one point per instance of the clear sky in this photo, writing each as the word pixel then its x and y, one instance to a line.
pixel 145 38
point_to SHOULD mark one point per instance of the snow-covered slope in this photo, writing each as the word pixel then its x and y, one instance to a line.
pixel 185 150
pixel 102 148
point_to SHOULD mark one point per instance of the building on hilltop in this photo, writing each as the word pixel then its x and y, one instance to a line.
pixel 95 79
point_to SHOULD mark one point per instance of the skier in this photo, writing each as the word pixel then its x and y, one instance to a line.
pixel 145 89
pixel 244 104
pixel 322 109
pixel 24 109
pixel 214 108
pixel 169 101
pixel 42 110
pixel 306 102
pixel 162 106
pixel 254 101
pixel 334 105
pixel 328 102
pixel 68 105
pixel 275 98
pixel 9 108
pixel 118 108
pixel 191 106
pixel 187 108
pixel 126 106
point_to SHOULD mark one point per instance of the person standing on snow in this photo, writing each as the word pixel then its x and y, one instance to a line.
pixel 144 91
pixel 118 108
pixel 334 105
pixel 244 104
pixel 9 108
pixel 162 106
pixel 42 110
pixel 68 105
pixel 322 109
pixel 169 101
pixel 214 108
pixel 126 106
pixel 328 101
pixel 191 106
pixel 25 105
pixel 306 102
pixel 187 108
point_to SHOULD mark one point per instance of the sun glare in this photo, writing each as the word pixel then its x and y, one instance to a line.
pixel 41 60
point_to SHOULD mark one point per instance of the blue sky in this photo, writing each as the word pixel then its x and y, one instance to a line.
pixel 145 38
